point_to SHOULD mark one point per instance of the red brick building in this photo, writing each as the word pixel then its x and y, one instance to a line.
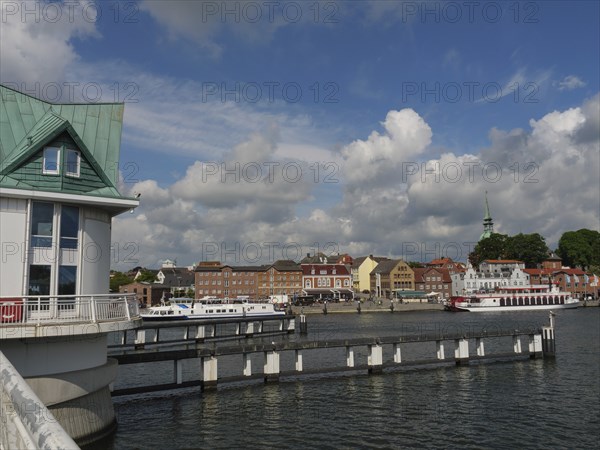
pixel 327 281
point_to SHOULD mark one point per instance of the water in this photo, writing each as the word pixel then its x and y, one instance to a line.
pixel 552 403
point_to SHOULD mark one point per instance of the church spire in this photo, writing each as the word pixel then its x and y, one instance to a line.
pixel 488 225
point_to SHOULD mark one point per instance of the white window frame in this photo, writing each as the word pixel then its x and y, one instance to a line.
pixel 51 171
pixel 69 173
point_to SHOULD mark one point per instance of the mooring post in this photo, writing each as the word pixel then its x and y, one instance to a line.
pixel 271 367
pixel 440 349
pixel 548 343
pixel 480 347
pixel 247 362
pixel 249 329
pixel 299 366
pixel 303 324
pixel 375 358
pixel 140 338
pixel 200 333
pixel 516 343
pixel 397 353
pixel 208 366
pixel 291 325
pixel 535 345
pixel 461 350
pixel 349 357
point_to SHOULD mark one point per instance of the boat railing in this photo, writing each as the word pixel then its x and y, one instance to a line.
pixel 57 309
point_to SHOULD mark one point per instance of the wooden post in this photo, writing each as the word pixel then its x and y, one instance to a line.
pixel 291 328
pixel 480 347
pixel 397 353
pixel 440 349
pixel 200 333
pixel 461 351
pixel 140 338
pixel 516 343
pixel 298 354
pixel 375 358
pixel 209 372
pixel 271 367
pixel 349 356
pixel 249 329
pixel 303 325
pixel 247 364
pixel 535 345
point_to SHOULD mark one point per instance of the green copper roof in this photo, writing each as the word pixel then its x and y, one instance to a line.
pixel 28 123
pixel 487 209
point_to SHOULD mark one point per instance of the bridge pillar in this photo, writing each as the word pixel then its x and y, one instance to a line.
pixel 480 347
pixel 247 364
pixel 209 372
pixel 298 354
pixel 535 345
pixel 461 351
pixel 397 353
pixel 271 368
pixel 375 358
pixel 440 349
pixel 517 343
pixel 349 356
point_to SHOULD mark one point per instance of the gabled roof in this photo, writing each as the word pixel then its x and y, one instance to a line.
pixel 340 269
pixel 28 123
pixel 386 266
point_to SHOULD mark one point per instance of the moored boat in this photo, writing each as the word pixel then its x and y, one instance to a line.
pixel 522 298
pixel 209 308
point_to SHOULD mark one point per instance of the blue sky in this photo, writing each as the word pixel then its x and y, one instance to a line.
pixel 386 86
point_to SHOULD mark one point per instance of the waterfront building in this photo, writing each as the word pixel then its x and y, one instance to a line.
pixel 284 277
pixel 224 281
pixel 361 272
pixel 492 273
pixel 390 276
pixel 146 293
pixel 433 280
pixel 58 195
pixel 327 281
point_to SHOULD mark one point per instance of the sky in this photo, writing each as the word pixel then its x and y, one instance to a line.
pixel 257 131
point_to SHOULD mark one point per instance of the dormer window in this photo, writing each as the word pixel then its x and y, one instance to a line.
pixel 73 163
pixel 51 161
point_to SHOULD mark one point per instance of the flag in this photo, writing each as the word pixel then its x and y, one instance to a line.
pixel 595 283
pixel 586 279
pixel 576 278
pixel 568 278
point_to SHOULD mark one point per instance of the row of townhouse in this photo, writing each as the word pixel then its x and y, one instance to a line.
pixel 327 278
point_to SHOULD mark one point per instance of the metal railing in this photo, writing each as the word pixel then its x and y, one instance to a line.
pixel 56 309
pixel 26 422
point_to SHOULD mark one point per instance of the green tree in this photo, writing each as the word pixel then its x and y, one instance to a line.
pixel 580 248
pixel 493 247
pixel 146 275
pixel 119 279
pixel 529 248
pixel 415 264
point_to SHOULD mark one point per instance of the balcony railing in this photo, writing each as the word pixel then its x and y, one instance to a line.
pixel 58 309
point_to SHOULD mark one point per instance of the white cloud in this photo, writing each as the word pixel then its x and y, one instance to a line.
pixel 36 42
pixel 570 82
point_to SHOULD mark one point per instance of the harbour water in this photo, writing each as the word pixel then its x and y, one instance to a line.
pixel 550 403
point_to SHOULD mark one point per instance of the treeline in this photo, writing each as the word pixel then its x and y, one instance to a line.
pixel 576 249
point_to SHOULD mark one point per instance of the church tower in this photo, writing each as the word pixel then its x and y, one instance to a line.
pixel 488 225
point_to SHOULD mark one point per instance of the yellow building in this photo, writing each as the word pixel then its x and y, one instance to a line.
pixel 361 271
pixel 391 275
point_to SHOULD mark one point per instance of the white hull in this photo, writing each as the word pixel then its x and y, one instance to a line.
pixel 485 309
pixel 189 310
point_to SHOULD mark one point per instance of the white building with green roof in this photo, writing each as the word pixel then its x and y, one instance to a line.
pixel 58 195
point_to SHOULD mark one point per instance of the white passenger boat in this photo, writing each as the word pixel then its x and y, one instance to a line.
pixel 209 308
pixel 522 298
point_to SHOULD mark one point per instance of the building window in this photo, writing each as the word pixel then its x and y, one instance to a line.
pixel 69 226
pixel 39 280
pixel 73 163
pixel 67 280
pixel 51 159
pixel 41 224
